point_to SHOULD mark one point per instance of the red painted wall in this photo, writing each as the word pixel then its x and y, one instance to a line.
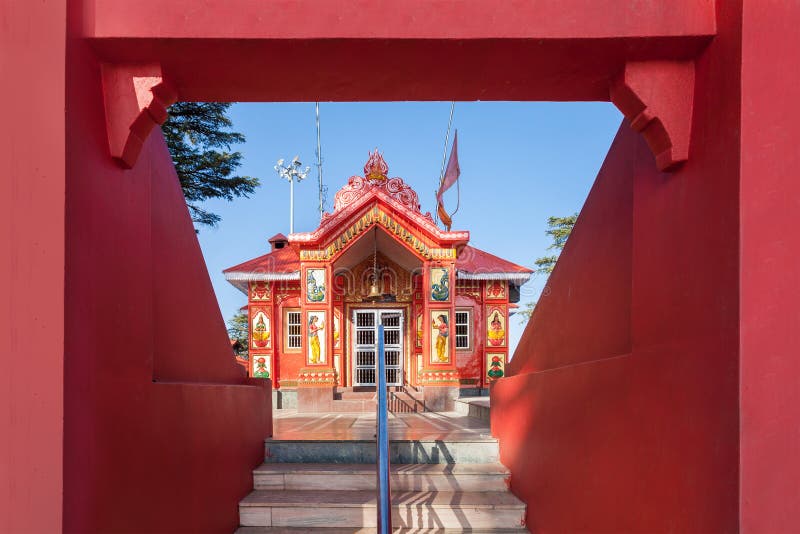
pixel 770 269
pixel 622 414
pixel 32 37
pixel 647 440
pixel 470 362
pixel 161 427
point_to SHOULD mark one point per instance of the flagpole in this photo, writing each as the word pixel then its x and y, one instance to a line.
pixel 444 152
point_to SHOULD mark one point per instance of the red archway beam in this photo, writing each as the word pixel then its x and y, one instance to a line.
pixel 136 100
pixel 657 97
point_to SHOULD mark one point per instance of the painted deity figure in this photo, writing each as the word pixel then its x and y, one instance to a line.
pixel 261 368
pixel 497 334
pixel 440 291
pixel 314 326
pixel 260 333
pixel 335 331
pixel 316 292
pixel 495 368
pixel 443 331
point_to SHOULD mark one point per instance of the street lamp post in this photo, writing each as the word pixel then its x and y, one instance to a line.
pixel 291 173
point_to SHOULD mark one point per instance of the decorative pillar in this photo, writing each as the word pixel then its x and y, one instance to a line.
pixel 496 327
pixel 260 340
pixel 317 379
pixel 439 375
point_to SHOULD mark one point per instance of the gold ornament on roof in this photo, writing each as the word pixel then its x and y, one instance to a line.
pixel 376 168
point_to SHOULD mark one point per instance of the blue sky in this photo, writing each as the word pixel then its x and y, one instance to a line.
pixel 520 163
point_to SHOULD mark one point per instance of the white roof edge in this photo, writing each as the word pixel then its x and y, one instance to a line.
pixel 261 277
pixel 519 278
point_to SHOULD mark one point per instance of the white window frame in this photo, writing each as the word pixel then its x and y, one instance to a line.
pixel 289 337
pixel 469 325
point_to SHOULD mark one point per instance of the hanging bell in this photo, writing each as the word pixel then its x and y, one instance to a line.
pixel 374 291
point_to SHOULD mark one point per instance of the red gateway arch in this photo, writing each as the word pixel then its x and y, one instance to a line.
pixel 659 393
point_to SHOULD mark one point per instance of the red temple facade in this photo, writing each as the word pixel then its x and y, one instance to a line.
pixel 315 300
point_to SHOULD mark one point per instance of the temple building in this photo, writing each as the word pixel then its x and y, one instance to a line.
pixel 315 301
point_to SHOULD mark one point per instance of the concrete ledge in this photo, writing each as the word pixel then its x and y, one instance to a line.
pixel 423 451
pixel 283 399
pixel 477 407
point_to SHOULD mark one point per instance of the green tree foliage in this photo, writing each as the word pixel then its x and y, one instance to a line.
pixel 199 139
pixel 237 330
pixel 559 229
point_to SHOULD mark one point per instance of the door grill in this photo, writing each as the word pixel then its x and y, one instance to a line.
pixel 365 348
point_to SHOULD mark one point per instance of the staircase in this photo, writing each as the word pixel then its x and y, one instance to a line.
pixel 402 399
pixel 328 486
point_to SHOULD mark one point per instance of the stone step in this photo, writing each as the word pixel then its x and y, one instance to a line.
pixel 363 530
pixel 361 477
pixel 444 509
pixel 354 406
pixel 476 450
pixel 357 395
pixel 477 407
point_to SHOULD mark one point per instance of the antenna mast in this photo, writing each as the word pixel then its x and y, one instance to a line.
pixel 319 168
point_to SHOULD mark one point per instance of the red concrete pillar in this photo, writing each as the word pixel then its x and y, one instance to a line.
pixel 770 269
pixel 32 185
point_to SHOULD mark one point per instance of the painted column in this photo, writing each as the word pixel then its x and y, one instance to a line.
pixel 317 379
pixel 337 333
pixel 495 326
pixel 439 375
pixel 261 341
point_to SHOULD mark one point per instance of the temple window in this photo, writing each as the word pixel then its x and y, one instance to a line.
pixel 293 335
pixel 463 329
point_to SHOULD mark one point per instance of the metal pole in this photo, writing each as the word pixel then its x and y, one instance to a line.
pixel 319 168
pixel 291 205
pixel 384 503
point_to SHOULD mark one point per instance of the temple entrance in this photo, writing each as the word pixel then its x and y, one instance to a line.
pixel 365 345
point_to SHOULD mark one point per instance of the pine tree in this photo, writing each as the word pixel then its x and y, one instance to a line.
pixel 559 229
pixel 238 331
pixel 199 140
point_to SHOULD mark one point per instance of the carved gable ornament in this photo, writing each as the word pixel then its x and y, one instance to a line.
pixel 376 177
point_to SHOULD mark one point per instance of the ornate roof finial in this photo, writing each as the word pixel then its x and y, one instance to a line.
pixel 376 168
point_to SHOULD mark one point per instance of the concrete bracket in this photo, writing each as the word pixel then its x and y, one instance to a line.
pixel 657 97
pixel 136 99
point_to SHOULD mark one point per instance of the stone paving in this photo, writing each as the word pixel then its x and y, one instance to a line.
pixel 289 425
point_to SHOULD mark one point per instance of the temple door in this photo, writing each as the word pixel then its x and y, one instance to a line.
pixel 365 346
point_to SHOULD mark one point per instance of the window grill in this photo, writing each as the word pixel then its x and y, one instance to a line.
pixel 463 329
pixel 293 336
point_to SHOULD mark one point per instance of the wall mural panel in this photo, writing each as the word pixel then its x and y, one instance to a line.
pixel 496 290
pixel 496 327
pixel 315 331
pixel 315 285
pixel 440 336
pixel 337 329
pixel 420 332
pixel 495 365
pixel 262 366
pixel 260 291
pixel 440 284
pixel 261 330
